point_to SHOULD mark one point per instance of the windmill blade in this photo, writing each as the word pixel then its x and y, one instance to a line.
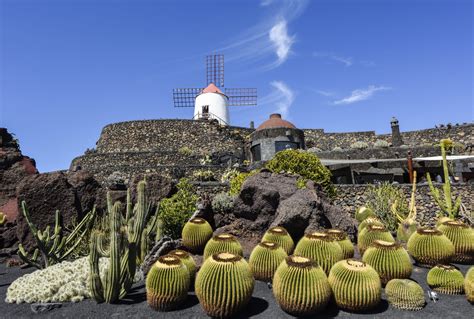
pixel 215 69
pixel 242 96
pixel 185 97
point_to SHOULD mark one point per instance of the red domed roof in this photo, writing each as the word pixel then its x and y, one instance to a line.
pixel 275 121
pixel 211 88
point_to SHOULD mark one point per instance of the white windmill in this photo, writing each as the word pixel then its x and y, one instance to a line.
pixel 211 102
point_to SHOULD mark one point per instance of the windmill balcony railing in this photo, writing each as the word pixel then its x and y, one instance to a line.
pixel 209 116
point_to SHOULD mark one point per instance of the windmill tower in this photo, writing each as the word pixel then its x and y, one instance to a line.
pixel 213 101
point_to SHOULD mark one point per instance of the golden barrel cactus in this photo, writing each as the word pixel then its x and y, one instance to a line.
pixel 389 259
pixel 371 233
pixel 167 283
pixel 405 294
pixel 265 259
pixel 321 248
pixel 280 236
pixel 469 285
pixel 187 260
pixel 355 284
pixel 462 237
pixel 300 286
pixel 195 234
pixel 341 238
pixel 445 279
pixel 369 221
pixel 224 285
pixel 429 246
pixel 363 213
pixel 222 243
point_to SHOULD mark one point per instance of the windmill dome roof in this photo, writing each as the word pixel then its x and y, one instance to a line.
pixel 275 121
pixel 211 88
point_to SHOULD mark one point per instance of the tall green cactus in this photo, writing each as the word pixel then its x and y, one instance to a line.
pixel 54 247
pixel 124 248
pixel 445 202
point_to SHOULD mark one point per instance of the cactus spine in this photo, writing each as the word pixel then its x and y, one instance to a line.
pixel 405 294
pixel 187 260
pixel 469 285
pixel 167 283
pixel 265 259
pixel 363 212
pixel 390 260
pixel 196 232
pixel 222 243
pixel 369 221
pixel 462 237
pixel 300 286
pixel 356 285
pixel 280 236
pixel 344 242
pixel 371 233
pixel 445 279
pixel 224 285
pixel 428 246
pixel 321 248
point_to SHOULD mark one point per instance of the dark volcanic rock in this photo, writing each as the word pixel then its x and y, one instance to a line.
pixel 158 186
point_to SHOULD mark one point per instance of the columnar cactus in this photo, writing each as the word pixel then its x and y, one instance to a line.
pixel 224 285
pixel 187 260
pixel 363 212
pixel 462 237
pixel 389 259
pixel 371 233
pixel 300 286
pixel 280 236
pixel 321 248
pixel 265 259
pixel 445 279
pixel 195 234
pixel 405 294
pixel 356 285
pixel 368 221
pixel 167 283
pixel 341 238
pixel 429 246
pixel 222 243
pixel 469 285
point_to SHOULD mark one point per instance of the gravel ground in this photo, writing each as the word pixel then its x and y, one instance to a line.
pixel 262 305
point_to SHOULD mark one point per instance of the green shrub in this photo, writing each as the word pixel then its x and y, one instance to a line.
pixel 381 198
pixel 185 151
pixel 204 175
pixel 176 210
pixel 222 202
pixel 305 164
pixel 237 180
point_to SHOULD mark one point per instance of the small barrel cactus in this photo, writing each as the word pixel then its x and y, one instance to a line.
pixel 341 238
pixel 371 233
pixel 265 259
pixel 469 285
pixel 445 279
pixel 462 237
pixel 405 294
pixel 356 285
pixel 187 260
pixel 222 243
pixel 389 259
pixel 280 236
pixel 196 232
pixel 363 212
pixel 369 221
pixel 224 285
pixel 167 283
pixel 300 286
pixel 321 248
pixel 429 246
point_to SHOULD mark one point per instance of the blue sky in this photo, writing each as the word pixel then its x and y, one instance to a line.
pixel 69 67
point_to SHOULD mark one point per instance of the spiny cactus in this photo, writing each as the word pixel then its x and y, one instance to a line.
pixel 356 285
pixel 429 246
pixel 363 212
pixel 462 237
pixel 167 283
pixel 341 238
pixel 280 236
pixel 405 294
pixel 196 232
pixel 264 260
pixel 54 247
pixel 300 286
pixel 445 279
pixel 469 285
pixel 389 259
pixel 321 248
pixel 187 260
pixel 369 221
pixel 371 233
pixel 407 225
pixel 224 285
pixel 222 243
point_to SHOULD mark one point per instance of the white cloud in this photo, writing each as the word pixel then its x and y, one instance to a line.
pixel 324 93
pixel 282 42
pixel 361 94
pixel 265 3
pixel 282 96
pixel 347 61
